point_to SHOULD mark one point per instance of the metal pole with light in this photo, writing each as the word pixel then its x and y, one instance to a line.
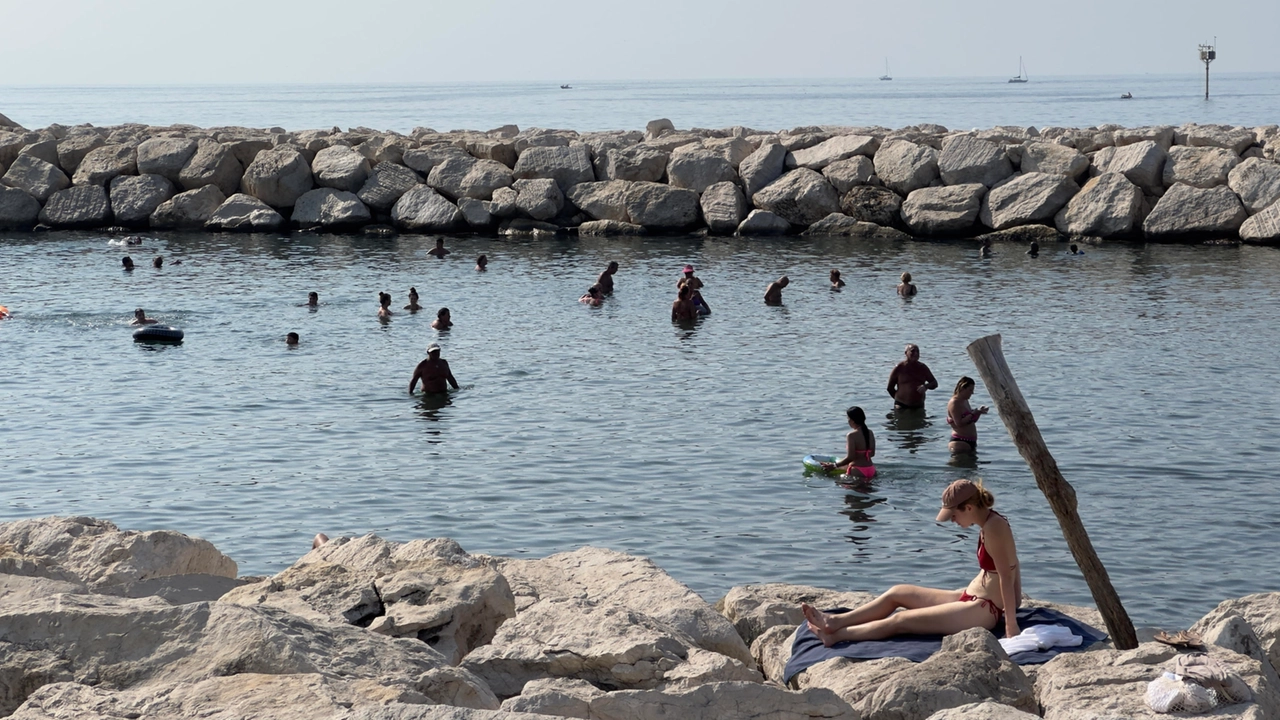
pixel 1208 53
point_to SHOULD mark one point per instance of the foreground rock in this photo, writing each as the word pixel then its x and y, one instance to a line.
pixel 104 163
pixel 1025 199
pixel 966 159
pixel 1261 228
pixel 188 210
pixel 568 165
pixel 1261 611
pixel 763 222
pixel 245 213
pixel 135 197
pixel 18 210
pixel 905 166
pixel 329 208
pixel 1191 211
pixel 278 176
pixel 424 209
pixel 940 211
pixel 212 164
pixel 84 206
pixel 165 157
pixel 1257 182
pixel 802 197
pixel 724 207
pixel 661 207
pixel 714 701
pixel 1107 206
pixel 840 225
pixel 753 609
pixel 37 177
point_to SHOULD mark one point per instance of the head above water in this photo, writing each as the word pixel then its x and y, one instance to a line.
pixel 784 281
pixel 439 242
pixel 433 350
pixel 126 262
pixel 912 352
pixel 313 298
pixel 291 338
pixel 1074 248
pixel 962 493
pixel 613 266
pixel 384 299
pixel 140 314
pixel 442 313
pixel 906 277
pixel 856 416
pixel 413 292
pixel 965 383
pixel 482 260
pixel 835 274
pixel 688 270
pixel 157 262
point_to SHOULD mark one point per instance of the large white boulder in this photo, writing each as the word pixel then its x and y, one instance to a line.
pixel 83 206
pixel 1202 167
pixel 277 177
pixel 1233 138
pixel 868 203
pixel 539 198
pixel 212 164
pixel 966 159
pixel 424 160
pixel 1107 206
pixel 567 165
pixel 36 177
pixel 642 163
pixel 1260 610
pixel 245 213
pixel 607 228
pixel 945 210
pixel 698 169
pixel 723 207
pixel 1027 198
pixel 1186 210
pixel 762 167
pixel 1054 159
pixel 763 222
pixel 802 196
pixel 18 210
pixel 329 208
pixel 386 183
pixel 458 177
pixel 422 208
pixel 1264 227
pixel 135 197
pixel 753 609
pixel 73 148
pixel 844 175
pixel 102 164
pixel 905 166
pixel 340 167
pixel 662 207
pixel 838 148
pixel 46 150
pixel 165 157
pixel 603 200
pixel 1257 182
pixel 733 149
pixel 190 209
pixel 1142 163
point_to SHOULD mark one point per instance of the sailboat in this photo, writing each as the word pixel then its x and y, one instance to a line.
pixel 886 75
pixel 1022 73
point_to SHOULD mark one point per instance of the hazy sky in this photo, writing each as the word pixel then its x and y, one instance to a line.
pixel 124 42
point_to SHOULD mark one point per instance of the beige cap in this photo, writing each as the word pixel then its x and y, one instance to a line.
pixel 956 494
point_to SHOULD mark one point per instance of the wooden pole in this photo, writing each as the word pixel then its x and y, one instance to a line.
pixel 988 356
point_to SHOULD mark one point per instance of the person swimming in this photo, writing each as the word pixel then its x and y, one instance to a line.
pixel 593 297
pixel 140 318
pixel 683 308
pixel 439 250
pixel 291 339
pixel 605 281
pixel 836 282
pixel 482 263
pixel 384 306
pixel 963 419
pixel 442 321
pixel 905 288
pixel 773 293
pixel 860 447
pixel 126 262
pixel 157 262
pixel 413 305
pixel 313 299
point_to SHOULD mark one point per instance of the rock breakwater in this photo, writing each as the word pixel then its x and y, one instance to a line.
pixel 1158 183
pixel 110 624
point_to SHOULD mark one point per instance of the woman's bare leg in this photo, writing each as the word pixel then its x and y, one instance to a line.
pixel 898 596
pixel 946 619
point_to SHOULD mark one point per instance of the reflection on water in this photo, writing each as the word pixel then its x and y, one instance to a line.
pixel 906 428
pixel 858 505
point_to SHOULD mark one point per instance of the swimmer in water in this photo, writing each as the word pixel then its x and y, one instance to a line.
pixel 157 262
pixel 313 299
pixel 860 447
pixel 905 288
pixel 439 250
pixel 140 318
pixel 1074 250
pixel 1034 250
pixel 413 305
pixel 4 313
pixel 963 419
pixel 127 263
pixel 985 250
pixel 291 339
pixel 683 308
pixel 605 281
pixel 442 321
pixel 593 296
pixel 689 279
pixel 384 306
pixel 433 372
pixel 482 263
pixel 836 282
pixel 773 293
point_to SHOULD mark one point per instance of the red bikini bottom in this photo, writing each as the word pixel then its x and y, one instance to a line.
pixel 987 603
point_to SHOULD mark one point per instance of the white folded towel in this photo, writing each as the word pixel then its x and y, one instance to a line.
pixel 1041 637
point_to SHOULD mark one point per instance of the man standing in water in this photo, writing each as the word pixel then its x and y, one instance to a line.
pixel 439 250
pixel 433 372
pixel 910 380
pixel 605 281
pixel 773 293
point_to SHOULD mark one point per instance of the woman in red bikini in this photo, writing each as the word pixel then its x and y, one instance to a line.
pixel 860 447
pixel 909 609
pixel 963 419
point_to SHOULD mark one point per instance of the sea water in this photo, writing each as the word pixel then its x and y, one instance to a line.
pixel 1149 368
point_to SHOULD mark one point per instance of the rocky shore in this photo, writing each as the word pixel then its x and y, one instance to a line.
pixel 1156 183
pixel 106 624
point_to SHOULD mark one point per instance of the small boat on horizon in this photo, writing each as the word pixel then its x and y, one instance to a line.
pixel 886 75
pixel 1022 73
pixel 1127 96
pixel 566 87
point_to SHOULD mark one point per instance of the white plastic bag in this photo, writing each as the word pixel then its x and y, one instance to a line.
pixel 1169 693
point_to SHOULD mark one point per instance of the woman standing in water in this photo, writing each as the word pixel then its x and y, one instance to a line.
pixel 991 598
pixel 860 447
pixel 905 288
pixel 963 419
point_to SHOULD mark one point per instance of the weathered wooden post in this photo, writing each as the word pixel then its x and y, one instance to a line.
pixel 988 356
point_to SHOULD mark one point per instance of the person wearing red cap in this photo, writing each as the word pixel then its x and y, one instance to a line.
pixel 913 610
pixel 695 287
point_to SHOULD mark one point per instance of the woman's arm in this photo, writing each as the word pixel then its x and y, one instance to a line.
pixel 999 542
pixel 848 453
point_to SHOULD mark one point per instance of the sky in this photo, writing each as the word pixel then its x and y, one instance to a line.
pixel 166 42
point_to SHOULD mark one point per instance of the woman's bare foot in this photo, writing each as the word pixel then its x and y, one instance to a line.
pixel 818 620
pixel 828 639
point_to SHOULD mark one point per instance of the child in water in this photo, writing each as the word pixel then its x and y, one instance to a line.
pixel 836 282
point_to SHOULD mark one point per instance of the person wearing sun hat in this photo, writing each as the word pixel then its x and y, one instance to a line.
pixel 910 609
pixel 695 290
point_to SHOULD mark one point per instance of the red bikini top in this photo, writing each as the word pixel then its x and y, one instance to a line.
pixel 984 560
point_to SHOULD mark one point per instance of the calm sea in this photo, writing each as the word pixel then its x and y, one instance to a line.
pixel 1151 370
pixel 958 103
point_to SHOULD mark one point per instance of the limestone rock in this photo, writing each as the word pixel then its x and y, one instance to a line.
pixel 603 200
pixel 501 151
pixel 165 157
pixel 986 710
pixel 658 206
pixel 1185 210
pixel 698 169
pixel 1257 182
pixel 1113 683
pixel 503 204
pixel 190 209
pixel 738 700
pixel 424 160
pixel 36 177
pixel 1261 228
pixel 84 206
pixel 11 145
pixel 1161 135
pixel 18 210
pixel 386 183
pixel 946 210
pixel 671 141
pixel 762 167
pixel 840 147
pixel 702 667
pixel 475 212
pixel 1023 235
pixel 844 175
pixel 422 208
pixel 563 697
pixel 526 228
pixel 802 196
pixel 1235 139
pixel 754 609
pixel 135 197
pixel 723 207
pixel 329 208
pixel 657 128
pixel 277 177
pixel 212 164
pixel 73 149
pixel 244 150
pixel 633 582
pixel 763 222
pixel 104 163
pixel 341 168
pixel 1142 163
pixel 641 163
pixel 733 149
pixel 245 213
pixel 1198 167
pixel 966 159
pixel 46 150
pixel 610 227
pixel 1054 159
pixel 567 165
pixel 459 177
pixel 905 166
pixel 539 199
pixel 841 225
pixel 1107 206
pixel 382 148
pixel 872 204
pixel 1261 611
pixel 1024 199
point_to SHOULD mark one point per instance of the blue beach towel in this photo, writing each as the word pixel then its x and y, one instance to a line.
pixel 807 650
